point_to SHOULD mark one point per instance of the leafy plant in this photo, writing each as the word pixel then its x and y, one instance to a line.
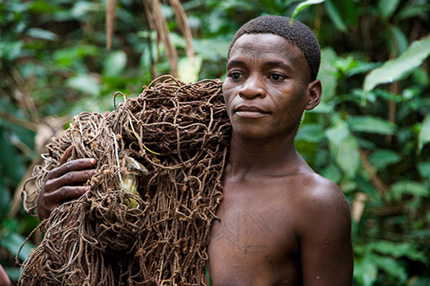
pixel 370 134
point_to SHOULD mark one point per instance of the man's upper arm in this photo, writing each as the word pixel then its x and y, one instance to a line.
pixel 325 237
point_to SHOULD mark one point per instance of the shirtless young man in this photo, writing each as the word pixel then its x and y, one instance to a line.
pixel 280 222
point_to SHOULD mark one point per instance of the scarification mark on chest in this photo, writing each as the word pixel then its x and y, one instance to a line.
pixel 245 230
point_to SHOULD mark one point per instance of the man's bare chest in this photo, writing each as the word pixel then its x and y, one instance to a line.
pixel 254 239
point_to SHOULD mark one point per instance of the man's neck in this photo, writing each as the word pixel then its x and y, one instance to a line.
pixel 263 157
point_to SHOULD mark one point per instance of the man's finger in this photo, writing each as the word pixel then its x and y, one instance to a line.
pixel 66 155
pixel 66 193
pixel 75 165
pixel 71 178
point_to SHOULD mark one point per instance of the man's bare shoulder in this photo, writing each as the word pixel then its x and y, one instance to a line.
pixel 323 232
pixel 320 201
pixel 312 187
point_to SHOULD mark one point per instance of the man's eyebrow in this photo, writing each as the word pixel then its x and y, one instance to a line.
pixel 233 63
pixel 281 64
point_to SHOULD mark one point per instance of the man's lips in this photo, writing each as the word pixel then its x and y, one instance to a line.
pixel 246 111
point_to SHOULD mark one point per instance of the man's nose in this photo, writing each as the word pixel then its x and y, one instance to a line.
pixel 252 87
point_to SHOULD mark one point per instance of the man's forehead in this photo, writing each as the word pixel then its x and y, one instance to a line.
pixel 266 45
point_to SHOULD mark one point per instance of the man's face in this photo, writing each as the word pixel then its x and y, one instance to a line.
pixel 266 86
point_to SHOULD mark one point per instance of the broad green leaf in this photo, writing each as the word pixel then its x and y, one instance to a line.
pixel 361 67
pixel 392 267
pixel 332 173
pixel 412 10
pixel 421 77
pixel 397 249
pixel 344 148
pixel 68 56
pixel 310 133
pixel 19 7
pixel 11 163
pixel 337 133
pixel 371 124
pixel 41 7
pixel 81 8
pixel 42 34
pixel 213 49
pixel 323 107
pixel 335 15
pixel 424 169
pixel 365 271
pixel 21 135
pixel 409 93
pixel 10 50
pixel 178 41
pixel 382 158
pixel 424 135
pixel 93 104
pixel 400 38
pixel 167 11
pixel 302 6
pixel 216 22
pixel 400 67
pixel 348 157
pixel 346 64
pixel 86 50
pixel 348 183
pixel 114 64
pixel 387 7
pixel 397 190
pixel 12 242
pixel 327 74
pixel 188 71
pixel 84 83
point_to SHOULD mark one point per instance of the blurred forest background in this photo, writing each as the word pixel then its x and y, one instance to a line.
pixel 370 134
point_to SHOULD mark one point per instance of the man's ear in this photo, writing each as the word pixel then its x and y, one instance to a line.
pixel 314 93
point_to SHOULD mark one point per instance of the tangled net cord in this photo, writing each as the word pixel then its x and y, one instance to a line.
pixel 177 135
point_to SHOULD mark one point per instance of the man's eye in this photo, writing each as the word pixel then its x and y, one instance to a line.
pixel 235 75
pixel 276 76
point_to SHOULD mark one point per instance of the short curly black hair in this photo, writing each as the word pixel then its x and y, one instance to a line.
pixel 297 34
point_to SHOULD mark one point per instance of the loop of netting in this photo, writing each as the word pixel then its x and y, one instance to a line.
pixel 147 216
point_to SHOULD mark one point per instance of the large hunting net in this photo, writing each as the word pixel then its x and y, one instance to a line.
pixel 147 217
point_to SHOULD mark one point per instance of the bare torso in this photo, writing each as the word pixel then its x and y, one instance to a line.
pixel 255 242
pixel 279 230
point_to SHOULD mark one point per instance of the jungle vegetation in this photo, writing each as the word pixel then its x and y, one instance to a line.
pixel 370 134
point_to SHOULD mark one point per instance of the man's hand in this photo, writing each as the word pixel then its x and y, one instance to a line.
pixel 64 183
pixel 4 279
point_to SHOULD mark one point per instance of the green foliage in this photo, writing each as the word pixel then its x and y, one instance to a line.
pixel 400 67
pixel 424 136
pixel 302 6
pixel 386 256
pixel 370 134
